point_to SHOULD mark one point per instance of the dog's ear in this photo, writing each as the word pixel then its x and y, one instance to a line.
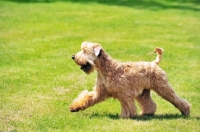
pixel 97 50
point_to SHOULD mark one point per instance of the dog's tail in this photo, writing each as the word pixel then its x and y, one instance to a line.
pixel 159 52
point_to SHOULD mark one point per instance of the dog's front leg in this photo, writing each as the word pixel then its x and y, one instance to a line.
pixel 128 107
pixel 87 99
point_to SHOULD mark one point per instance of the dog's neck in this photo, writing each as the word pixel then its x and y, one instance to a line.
pixel 104 63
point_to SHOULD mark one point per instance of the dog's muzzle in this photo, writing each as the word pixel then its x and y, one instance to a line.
pixel 86 68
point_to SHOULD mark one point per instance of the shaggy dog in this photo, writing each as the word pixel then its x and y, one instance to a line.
pixel 125 81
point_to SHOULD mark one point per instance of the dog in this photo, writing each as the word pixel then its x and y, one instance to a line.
pixel 125 81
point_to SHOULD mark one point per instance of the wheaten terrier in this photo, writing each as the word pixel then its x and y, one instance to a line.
pixel 125 81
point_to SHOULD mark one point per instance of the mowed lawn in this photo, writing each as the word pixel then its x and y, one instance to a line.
pixel 39 80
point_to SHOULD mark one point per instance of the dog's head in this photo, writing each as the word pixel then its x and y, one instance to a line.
pixel 86 57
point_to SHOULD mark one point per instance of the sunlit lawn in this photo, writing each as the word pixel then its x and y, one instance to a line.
pixel 38 79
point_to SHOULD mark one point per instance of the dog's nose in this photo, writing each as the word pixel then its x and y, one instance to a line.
pixel 73 57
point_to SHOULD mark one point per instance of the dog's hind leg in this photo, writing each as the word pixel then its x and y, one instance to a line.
pixel 147 105
pixel 166 92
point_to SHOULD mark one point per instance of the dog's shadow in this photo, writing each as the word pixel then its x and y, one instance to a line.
pixel 145 117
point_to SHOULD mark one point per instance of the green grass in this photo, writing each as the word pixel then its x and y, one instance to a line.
pixel 38 79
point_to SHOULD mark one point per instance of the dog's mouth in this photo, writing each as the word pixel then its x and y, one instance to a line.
pixel 86 68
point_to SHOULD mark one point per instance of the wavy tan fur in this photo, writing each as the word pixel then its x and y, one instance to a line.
pixel 125 81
